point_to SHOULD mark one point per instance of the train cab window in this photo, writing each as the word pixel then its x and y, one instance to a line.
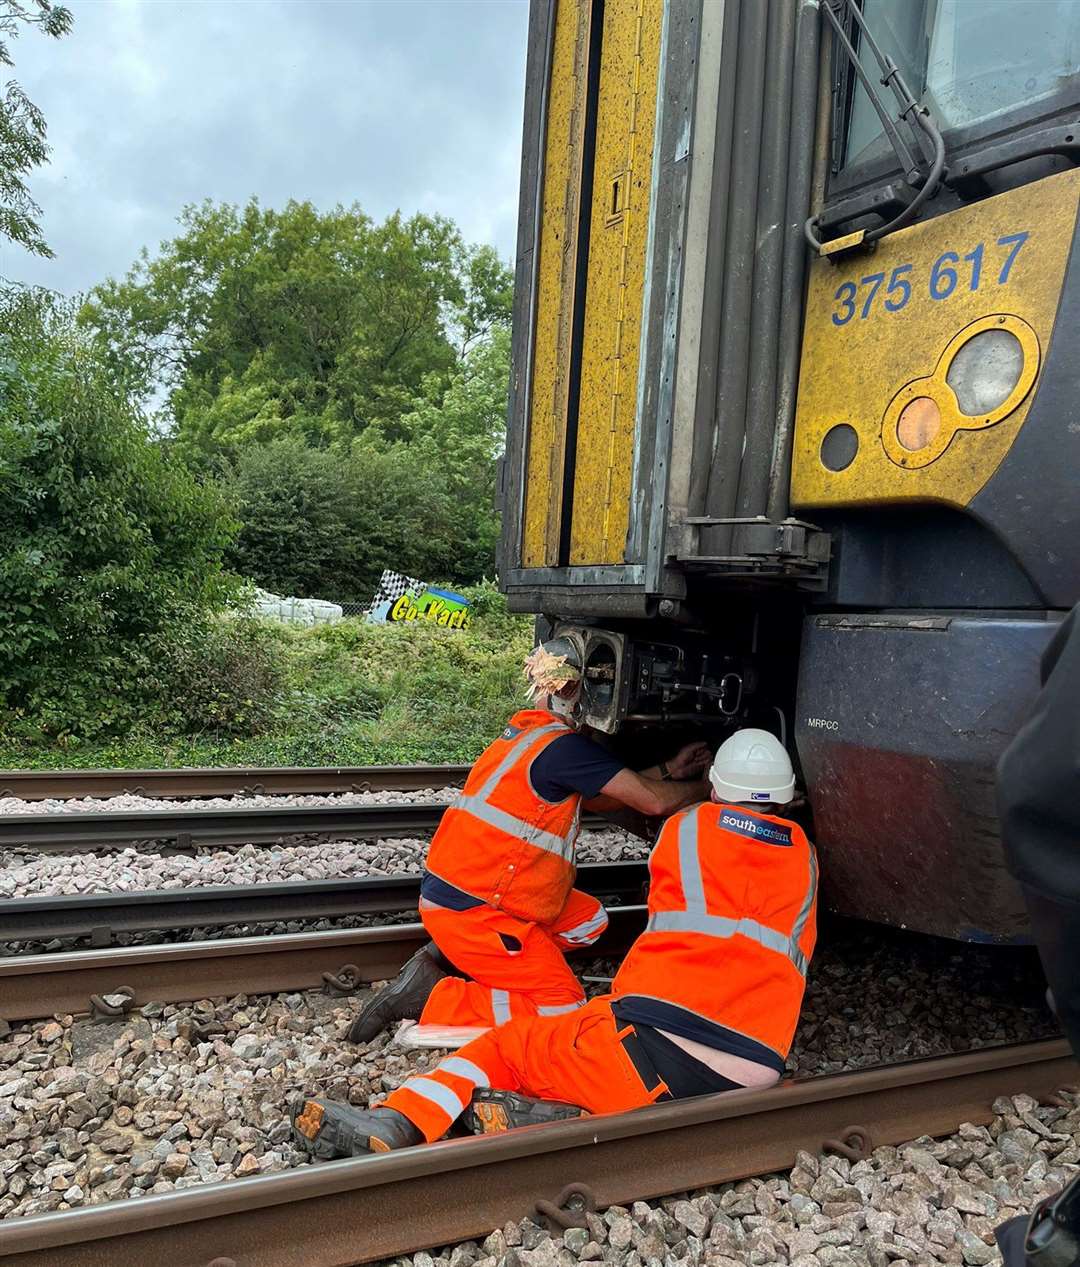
pixel 969 61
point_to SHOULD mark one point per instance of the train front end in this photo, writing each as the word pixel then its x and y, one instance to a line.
pixel 794 433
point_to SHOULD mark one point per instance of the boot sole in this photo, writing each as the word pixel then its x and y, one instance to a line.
pixel 493 1117
pixel 324 1139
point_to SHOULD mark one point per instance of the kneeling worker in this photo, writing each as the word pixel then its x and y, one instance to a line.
pixel 707 999
pixel 497 896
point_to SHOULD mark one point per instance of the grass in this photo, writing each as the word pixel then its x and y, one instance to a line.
pixel 354 694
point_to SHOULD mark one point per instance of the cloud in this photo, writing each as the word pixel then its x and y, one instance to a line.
pixel 152 104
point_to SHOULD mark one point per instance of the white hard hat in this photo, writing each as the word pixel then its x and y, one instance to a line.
pixel 752 766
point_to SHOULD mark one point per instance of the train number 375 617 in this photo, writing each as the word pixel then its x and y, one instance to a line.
pixel 950 272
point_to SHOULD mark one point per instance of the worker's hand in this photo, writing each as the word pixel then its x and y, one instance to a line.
pixel 690 762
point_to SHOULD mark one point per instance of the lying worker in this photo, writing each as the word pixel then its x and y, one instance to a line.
pixel 497 897
pixel 707 999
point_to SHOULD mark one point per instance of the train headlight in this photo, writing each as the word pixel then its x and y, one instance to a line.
pixel 981 376
pixel 985 371
pixel 919 423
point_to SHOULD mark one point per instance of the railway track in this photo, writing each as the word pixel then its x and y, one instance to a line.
pixel 353 1211
pixel 40 785
pixel 102 916
pixel 188 828
pixel 36 986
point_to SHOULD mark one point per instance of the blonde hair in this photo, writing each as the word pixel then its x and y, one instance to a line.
pixel 547 673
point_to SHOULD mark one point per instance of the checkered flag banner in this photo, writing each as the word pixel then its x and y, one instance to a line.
pixel 391 587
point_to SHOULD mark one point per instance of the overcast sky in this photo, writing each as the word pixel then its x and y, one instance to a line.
pixel 152 104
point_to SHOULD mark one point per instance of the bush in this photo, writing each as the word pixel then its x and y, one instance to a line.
pixel 344 694
pixel 324 523
pixel 222 676
pixel 107 544
pixel 293 503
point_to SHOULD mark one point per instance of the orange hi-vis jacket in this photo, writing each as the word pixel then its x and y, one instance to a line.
pixel 731 929
pixel 500 841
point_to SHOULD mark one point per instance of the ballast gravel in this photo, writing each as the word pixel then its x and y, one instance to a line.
pixel 196 1093
pixel 130 802
pixel 930 1201
pixel 130 870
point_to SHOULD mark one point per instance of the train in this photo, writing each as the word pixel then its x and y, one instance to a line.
pixel 794 425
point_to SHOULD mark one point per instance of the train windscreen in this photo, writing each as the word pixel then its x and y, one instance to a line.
pixel 969 61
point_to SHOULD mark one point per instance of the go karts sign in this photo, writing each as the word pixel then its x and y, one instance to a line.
pixel 401 599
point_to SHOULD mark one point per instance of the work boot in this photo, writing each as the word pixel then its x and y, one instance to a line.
pixel 491 1112
pixel 326 1128
pixel 403 998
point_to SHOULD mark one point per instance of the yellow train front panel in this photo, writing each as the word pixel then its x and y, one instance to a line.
pixel 601 293
pixel 920 360
pixel 558 243
pixel 615 285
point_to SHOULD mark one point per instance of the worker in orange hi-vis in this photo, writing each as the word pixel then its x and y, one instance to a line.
pixel 707 999
pixel 498 896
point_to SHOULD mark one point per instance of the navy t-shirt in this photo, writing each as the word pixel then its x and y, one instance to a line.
pixel 571 764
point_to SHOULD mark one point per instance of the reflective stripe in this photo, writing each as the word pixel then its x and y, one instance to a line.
pixel 559 1009
pixel 808 902
pixel 693 886
pixel 500 1005
pixel 478 803
pixel 463 1068
pixel 589 930
pixel 718 926
pixel 518 827
pixel 518 748
pixel 696 918
pixel 438 1093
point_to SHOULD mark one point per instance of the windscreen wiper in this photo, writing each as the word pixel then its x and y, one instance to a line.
pixel 917 118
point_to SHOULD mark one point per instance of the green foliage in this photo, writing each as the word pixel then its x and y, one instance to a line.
pixel 293 505
pixel 22 125
pixel 345 694
pixel 334 395
pixel 108 546
pixel 223 677
pixel 327 522
pixel 346 382
pixel 259 324
pixel 455 437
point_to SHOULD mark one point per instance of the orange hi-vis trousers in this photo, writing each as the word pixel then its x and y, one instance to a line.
pixel 578 1058
pixel 517 967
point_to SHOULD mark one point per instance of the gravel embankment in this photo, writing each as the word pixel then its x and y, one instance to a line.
pixel 130 870
pixel 926 1202
pixel 198 1093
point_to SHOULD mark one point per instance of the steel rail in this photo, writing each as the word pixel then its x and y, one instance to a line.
pixel 40 785
pixel 101 916
pixel 67 833
pixel 35 986
pixel 380 1207
pixel 81 832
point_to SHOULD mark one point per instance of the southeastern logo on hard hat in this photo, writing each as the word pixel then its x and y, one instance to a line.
pixel 753 765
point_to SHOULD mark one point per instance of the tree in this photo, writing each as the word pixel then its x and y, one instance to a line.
pixel 325 523
pixel 489 296
pixel 455 437
pixel 22 125
pixel 293 503
pixel 110 547
pixel 256 324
